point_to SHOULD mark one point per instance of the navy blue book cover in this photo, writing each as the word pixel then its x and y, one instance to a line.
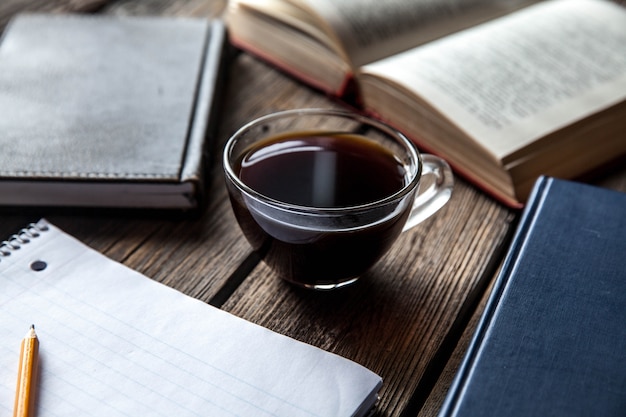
pixel 552 339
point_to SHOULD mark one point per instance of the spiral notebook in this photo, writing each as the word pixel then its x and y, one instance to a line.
pixel 116 343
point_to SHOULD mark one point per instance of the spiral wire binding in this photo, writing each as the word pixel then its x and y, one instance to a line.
pixel 15 242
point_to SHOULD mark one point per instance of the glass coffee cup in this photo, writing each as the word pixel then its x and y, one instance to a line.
pixel 321 195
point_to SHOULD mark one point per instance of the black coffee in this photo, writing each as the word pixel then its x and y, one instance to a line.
pixel 320 171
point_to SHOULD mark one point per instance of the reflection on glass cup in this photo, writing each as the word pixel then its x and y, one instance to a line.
pixel 321 195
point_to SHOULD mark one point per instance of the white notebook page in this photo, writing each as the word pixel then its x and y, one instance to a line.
pixel 116 343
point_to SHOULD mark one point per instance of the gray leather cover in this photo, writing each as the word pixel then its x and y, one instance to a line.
pixel 91 100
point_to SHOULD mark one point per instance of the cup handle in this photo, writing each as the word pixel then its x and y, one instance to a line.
pixel 439 190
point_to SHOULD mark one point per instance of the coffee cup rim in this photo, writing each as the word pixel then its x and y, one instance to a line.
pixel 242 186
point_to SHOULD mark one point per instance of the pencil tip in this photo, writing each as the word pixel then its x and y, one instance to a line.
pixel 31 332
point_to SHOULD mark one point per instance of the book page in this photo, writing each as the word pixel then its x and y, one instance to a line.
pixel 373 29
pixel 116 343
pixel 511 81
pixel 298 15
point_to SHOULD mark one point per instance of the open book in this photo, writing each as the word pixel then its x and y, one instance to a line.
pixel 505 90
pixel 116 343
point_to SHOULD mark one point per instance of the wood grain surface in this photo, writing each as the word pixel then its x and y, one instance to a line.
pixel 408 319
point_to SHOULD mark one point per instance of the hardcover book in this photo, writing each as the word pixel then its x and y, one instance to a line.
pixel 552 340
pixel 103 111
pixel 504 90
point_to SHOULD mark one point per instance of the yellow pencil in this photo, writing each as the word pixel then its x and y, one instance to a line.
pixel 27 375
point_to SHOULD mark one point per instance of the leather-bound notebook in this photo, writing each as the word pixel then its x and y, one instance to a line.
pixel 552 338
pixel 105 111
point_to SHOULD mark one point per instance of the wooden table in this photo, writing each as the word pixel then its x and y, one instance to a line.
pixel 409 319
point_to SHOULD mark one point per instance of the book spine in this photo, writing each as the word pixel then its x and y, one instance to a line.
pixel 533 207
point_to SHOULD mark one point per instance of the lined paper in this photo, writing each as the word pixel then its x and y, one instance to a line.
pixel 116 343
